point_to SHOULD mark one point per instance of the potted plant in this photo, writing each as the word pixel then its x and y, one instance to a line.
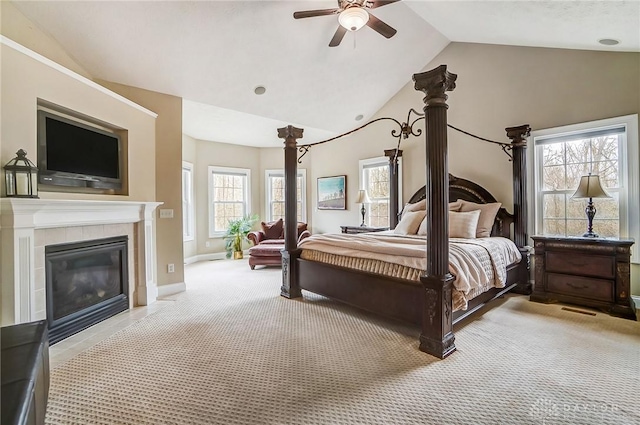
pixel 236 233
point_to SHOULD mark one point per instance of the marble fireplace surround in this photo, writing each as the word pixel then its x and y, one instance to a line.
pixel 28 225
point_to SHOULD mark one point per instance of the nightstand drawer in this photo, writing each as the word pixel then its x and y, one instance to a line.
pixel 580 264
pixel 584 287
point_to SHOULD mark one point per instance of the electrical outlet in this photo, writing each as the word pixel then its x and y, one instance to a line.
pixel 171 268
pixel 207 244
pixel 166 213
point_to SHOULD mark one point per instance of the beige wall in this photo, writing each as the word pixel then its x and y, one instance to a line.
pixel 497 87
pixel 19 102
pixel 189 154
pixel 17 27
pixel 168 163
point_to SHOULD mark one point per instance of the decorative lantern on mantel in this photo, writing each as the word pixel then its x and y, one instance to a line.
pixel 21 177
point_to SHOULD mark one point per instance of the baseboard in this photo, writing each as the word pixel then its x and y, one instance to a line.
pixel 636 300
pixel 205 257
pixel 170 289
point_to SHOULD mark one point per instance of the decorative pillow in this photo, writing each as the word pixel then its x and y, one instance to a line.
pixel 301 228
pixel 463 224
pixel 455 206
pixel 422 230
pixel 418 206
pixel 273 230
pixel 409 223
pixel 422 205
pixel 488 214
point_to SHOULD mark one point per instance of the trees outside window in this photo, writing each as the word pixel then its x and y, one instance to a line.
pixel 229 195
pixel 563 164
pixel 275 195
pixel 374 177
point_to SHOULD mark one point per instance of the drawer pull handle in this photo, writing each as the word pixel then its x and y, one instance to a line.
pixel 578 286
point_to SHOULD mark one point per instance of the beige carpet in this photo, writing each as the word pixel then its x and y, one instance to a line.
pixel 232 351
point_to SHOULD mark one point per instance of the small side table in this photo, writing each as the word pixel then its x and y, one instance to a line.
pixel 592 272
pixel 361 229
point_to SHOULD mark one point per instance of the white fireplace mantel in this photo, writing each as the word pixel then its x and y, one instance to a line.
pixel 20 218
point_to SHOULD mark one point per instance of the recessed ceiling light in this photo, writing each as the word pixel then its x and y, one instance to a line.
pixel 608 41
pixel 259 90
pixel 359 117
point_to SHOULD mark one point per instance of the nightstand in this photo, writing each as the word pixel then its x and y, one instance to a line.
pixel 591 272
pixel 361 229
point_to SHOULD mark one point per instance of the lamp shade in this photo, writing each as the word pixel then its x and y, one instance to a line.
pixel 590 187
pixel 353 18
pixel 363 197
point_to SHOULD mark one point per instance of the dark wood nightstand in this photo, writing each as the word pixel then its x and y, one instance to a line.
pixel 591 272
pixel 361 229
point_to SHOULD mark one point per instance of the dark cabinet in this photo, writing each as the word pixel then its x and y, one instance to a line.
pixel 591 272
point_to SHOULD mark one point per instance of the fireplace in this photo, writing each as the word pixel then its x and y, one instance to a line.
pixel 86 282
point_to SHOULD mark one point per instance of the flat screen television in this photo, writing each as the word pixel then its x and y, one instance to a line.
pixel 71 153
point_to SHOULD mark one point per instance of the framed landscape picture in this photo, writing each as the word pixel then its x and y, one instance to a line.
pixel 332 193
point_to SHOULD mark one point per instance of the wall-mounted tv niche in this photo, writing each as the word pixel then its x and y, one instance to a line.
pixel 72 153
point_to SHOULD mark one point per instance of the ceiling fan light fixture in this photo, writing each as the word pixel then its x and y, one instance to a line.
pixel 353 18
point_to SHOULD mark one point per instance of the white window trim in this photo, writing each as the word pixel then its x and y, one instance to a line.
pixel 267 191
pixel 190 234
pixel 363 163
pixel 213 169
pixel 629 173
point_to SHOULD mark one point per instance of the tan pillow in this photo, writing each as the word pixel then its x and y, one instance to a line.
pixel 409 223
pixel 488 214
pixel 463 224
pixel 418 206
pixel 422 205
pixel 422 230
pixel 455 206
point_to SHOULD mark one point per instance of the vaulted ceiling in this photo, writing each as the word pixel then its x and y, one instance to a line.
pixel 214 54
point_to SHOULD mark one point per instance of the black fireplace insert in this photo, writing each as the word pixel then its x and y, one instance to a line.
pixel 86 282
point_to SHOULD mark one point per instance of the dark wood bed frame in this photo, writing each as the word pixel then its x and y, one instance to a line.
pixel 427 303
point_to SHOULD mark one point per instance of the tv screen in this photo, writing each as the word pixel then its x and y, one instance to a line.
pixel 74 154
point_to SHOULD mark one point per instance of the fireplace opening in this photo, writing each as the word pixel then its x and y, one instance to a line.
pixel 86 282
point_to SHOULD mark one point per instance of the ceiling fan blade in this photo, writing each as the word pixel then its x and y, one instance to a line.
pixel 338 36
pixel 312 13
pixel 379 3
pixel 379 26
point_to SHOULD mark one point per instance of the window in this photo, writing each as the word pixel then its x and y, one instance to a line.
pixel 229 197
pixel 608 148
pixel 374 177
pixel 274 191
pixel 188 211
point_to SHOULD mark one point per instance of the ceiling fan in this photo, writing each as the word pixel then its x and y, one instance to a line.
pixel 352 15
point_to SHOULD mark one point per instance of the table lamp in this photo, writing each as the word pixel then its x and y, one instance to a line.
pixel 590 188
pixel 363 198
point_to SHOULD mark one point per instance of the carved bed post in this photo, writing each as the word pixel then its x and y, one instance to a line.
pixel 518 136
pixel 394 196
pixel 290 284
pixel 437 336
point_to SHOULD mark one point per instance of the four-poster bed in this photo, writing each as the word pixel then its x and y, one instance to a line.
pixel 427 301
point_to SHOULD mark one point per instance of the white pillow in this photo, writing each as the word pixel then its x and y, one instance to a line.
pixel 409 223
pixel 463 224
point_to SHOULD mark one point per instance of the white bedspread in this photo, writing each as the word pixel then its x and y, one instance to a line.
pixel 477 264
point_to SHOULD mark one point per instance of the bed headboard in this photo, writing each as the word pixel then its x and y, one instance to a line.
pixel 460 188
